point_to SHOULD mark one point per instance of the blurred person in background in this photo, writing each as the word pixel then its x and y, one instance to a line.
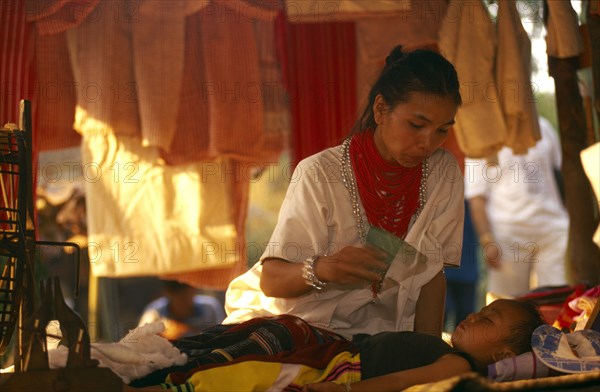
pixel 519 215
pixel 183 311
pixel 461 283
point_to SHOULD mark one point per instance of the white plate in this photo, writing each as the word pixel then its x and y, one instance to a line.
pixel 575 352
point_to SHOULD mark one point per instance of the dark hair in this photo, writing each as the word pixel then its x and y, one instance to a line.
pixel 174 286
pixel 520 331
pixel 419 71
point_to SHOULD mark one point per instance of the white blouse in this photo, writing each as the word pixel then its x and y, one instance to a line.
pixel 316 218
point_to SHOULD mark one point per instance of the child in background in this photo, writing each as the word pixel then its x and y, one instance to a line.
pixel 183 311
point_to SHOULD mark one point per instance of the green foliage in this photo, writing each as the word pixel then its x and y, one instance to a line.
pixel 546 107
pixel 267 192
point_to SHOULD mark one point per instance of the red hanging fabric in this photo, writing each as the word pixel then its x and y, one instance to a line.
pixel 17 73
pixel 55 87
pixel 319 68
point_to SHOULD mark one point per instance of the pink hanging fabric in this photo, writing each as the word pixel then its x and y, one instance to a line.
pixel 202 101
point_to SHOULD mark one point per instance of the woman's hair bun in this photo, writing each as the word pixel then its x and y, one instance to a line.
pixel 395 55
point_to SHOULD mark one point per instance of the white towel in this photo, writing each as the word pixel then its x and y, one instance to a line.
pixel 138 354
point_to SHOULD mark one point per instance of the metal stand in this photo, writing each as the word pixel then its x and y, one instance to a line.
pixel 18 314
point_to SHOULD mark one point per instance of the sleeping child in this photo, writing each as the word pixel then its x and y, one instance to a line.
pixel 286 353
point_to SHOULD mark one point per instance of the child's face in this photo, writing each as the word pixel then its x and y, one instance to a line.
pixel 482 334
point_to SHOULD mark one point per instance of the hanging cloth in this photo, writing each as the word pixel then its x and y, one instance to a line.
pixel 17 75
pixel 563 39
pixel 143 78
pixel 513 78
pixel 184 79
pixel 467 39
pixel 318 11
pixel 147 218
pixel 319 65
pixel 375 37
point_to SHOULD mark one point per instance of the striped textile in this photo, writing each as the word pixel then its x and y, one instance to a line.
pixel 281 339
pixel 265 375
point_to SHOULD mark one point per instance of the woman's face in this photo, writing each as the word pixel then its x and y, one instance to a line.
pixel 412 130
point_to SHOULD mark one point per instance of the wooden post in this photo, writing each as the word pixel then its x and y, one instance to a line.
pixel 583 256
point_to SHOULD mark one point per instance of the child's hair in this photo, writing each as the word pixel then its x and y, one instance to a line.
pixel 521 330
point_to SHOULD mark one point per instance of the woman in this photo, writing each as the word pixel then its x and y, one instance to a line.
pixel 391 174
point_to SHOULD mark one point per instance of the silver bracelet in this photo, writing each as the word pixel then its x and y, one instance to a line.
pixel 308 273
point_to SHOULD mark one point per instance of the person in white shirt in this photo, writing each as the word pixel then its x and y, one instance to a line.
pixel 519 215
pixel 391 174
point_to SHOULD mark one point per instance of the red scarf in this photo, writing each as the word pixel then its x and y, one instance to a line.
pixel 389 191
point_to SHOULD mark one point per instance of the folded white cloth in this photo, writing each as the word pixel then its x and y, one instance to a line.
pixel 521 367
pixel 139 353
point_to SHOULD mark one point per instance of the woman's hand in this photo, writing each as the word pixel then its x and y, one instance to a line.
pixel 352 267
pixel 324 387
